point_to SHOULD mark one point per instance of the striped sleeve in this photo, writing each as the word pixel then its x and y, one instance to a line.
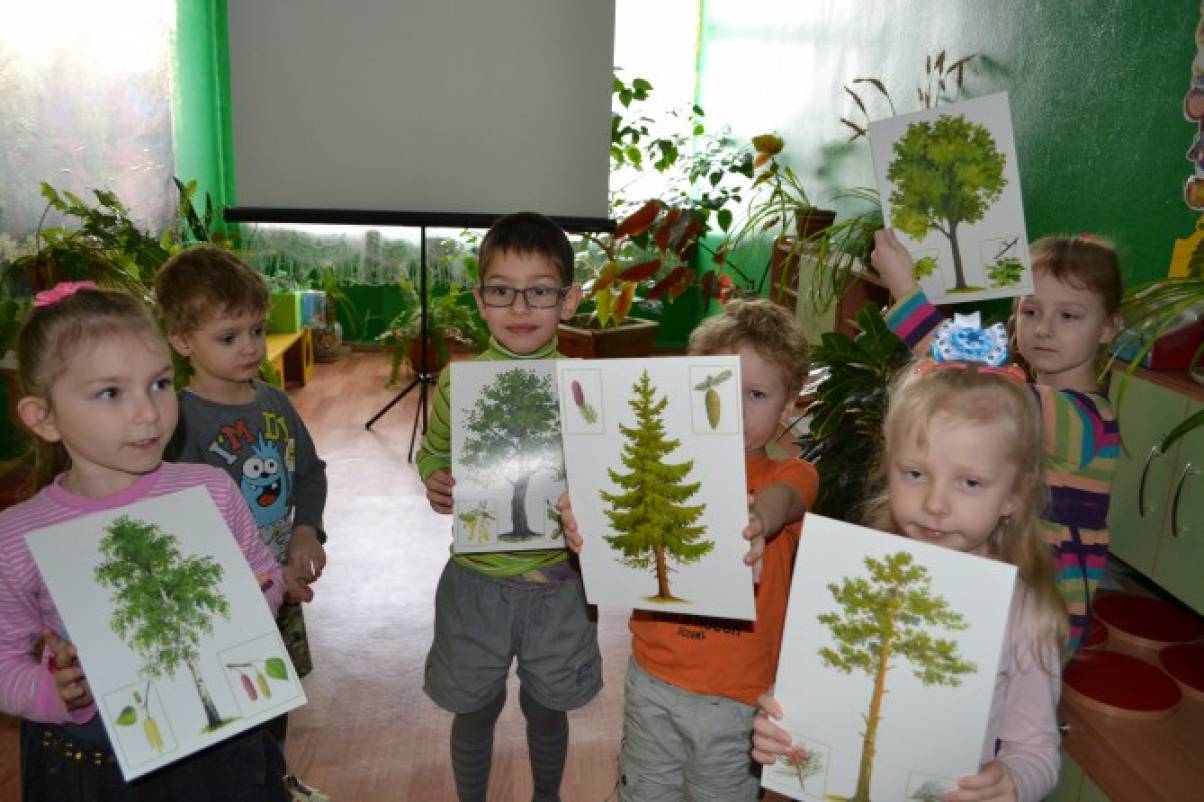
pixel 435 452
pixel 1075 431
pixel 913 319
pixel 26 684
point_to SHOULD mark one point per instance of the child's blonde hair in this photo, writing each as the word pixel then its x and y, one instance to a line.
pixel 768 328
pixel 49 335
pixel 200 283
pixel 984 397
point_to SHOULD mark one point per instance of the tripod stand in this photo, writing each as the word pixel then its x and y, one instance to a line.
pixel 424 378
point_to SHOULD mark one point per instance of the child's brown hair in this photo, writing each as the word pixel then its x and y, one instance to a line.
pixel 527 233
pixel 765 326
pixel 1086 262
pixel 197 284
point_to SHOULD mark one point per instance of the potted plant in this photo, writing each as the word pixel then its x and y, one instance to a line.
pixel 328 338
pixel 781 210
pixel 449 318
pixel 845 433
pixel 649 260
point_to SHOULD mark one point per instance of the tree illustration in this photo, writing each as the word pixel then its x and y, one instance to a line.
pixel 513 434
pixel 945 173
pixel 164 602
pixel 649 514
pixel 884 616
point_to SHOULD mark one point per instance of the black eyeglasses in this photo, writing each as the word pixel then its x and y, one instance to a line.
pixel 534 297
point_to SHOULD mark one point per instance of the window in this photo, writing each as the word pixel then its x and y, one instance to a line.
pixel 85 102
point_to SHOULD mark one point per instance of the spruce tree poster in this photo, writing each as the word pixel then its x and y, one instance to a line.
pixel 888 664
pixel 654 450
pixel 506 456
pixel 950 187
pixel 180 649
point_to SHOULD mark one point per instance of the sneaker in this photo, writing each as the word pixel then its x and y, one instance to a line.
pixel 300 792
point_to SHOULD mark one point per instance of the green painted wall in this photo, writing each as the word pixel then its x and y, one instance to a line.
pixel 204 138
pixel 1096 95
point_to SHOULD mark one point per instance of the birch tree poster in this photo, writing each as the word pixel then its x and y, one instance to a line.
pixel 950 188
pixel 179 647
pixel 888 664
pixel 506 456
pixel 655 456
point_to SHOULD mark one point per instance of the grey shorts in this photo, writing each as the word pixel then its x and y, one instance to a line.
pixel 482 624
pixel 679 745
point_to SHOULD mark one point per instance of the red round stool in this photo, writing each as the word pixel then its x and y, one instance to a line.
pixel 1145 622
pixel 1185 663
pixel 1120 685
pixel 1097 636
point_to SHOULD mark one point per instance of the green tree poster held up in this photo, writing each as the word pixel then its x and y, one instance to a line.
pixel 513 434
pixel 164 602
pixel 653 522
pixel 945 173
pixel 883 616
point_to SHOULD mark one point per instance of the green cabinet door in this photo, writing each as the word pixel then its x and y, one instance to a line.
pixel 1143 475
pixel 1179 566
pixel 1070 781
pixel 1074 785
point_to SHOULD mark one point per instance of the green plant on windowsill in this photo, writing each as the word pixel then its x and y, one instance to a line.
pixel 449 318
pixel 649 260
pixel 801 234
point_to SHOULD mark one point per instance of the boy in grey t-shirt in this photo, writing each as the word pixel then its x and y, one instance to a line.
pixel 214 309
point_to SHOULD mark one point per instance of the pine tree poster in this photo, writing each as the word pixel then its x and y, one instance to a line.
pixel 506 456
pixel 888 664
pixel 654 451
pixel 950 188
pixel 178 645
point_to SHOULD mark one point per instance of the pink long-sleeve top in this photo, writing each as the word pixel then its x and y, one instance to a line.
pixel 27 687
pixel 1023 719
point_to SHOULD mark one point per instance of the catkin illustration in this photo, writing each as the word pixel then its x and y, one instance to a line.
pixel 248 686
pixel 153 737
pixel 711 399
pixel 262 682
pixel 587 411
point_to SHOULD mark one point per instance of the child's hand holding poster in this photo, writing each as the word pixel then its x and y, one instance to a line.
pixel 655 456
pixel 888 664
pixel 179 647
pixel 950 188
pixel 506 456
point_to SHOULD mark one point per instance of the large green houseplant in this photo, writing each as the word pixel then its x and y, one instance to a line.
pixel 650 259
pixel 845 434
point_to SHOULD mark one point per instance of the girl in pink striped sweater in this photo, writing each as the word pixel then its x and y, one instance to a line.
pixel 96 390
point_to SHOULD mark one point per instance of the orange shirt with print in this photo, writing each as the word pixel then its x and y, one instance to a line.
pixel 725 657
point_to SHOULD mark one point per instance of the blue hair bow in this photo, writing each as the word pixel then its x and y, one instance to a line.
pixel 964 339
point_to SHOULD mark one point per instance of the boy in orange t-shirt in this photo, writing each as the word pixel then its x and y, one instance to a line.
pixel 692 683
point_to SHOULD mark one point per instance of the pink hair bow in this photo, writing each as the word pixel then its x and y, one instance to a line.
pixel 64 289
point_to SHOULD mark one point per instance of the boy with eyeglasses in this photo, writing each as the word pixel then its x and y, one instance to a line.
pixel 493 607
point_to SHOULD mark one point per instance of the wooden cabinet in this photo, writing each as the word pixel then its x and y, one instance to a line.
pixel 1156 515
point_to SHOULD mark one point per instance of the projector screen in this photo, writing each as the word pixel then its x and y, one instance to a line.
pixel 447 109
